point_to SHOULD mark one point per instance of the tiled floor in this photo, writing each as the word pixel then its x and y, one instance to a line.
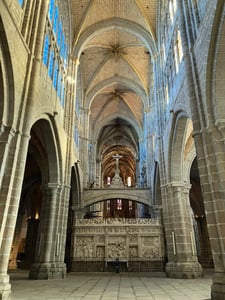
pixel 111 286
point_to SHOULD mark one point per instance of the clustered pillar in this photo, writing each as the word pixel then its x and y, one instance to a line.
pixel 181 248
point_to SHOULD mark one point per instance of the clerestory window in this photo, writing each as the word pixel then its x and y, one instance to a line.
pixel 55 50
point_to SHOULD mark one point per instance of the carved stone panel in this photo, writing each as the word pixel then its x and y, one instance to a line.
pixel 109 239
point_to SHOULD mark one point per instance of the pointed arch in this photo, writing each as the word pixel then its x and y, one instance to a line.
pixel 114 23
pixel 6 80
pixel 75 187
pixel 176 147
pixel 136 88
pixel 157 196
pixel 50 157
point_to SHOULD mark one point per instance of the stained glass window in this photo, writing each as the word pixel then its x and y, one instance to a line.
pixel 62 49
pixel 51 9
pixel 55 75
pixel 51 61
pixel 59 85
pixel 59 34
pixel 56 16
pixel 65 55
pixel 45 50
pixel 51 52
pixel 20 2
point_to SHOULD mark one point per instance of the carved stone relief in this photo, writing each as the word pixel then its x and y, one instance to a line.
pixel 117 238
pixel 133 252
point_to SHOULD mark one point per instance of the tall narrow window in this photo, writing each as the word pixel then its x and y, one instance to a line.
pixel 119 204
pixel 45 50
pixel 56 17
pixel 59 34
pixel 65 55
pixel 179 45
pixel 62 48
pixel 51 62
pixel 55 75
pixel 59 85
pixel 51 10
pixel 20 2
pixel 108 205
pixel 171 10
pixel 130 205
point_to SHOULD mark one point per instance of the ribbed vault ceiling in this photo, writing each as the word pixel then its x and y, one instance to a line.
pixel 114 41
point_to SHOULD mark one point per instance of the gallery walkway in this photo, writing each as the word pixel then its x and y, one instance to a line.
pixel 111 286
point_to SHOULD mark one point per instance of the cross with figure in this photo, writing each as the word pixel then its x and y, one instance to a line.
pixel 117 157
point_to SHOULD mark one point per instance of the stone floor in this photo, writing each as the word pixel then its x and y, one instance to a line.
pixel 111 286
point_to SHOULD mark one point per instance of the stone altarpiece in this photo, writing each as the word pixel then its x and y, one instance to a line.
pixel 98 242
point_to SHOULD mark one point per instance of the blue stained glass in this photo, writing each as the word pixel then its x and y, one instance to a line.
pixel 51 61
pixel 76 136
pixel 56 16
pixel 59 85
pixel 45 50
pixel 65 54
pixel 55 76
pixel 51 9
pixel 62 49
pixel 59 34
pixel 20 2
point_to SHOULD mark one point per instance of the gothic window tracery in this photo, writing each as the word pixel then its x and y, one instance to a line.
pixel 55 50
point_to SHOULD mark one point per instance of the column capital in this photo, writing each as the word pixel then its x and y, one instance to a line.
pixel 177 184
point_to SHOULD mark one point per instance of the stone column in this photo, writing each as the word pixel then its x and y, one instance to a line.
pixel 211 164
pixel 84 142
pixel 62 225
pixel 12 168
pixel 46 264
pixel 181 249
pixel 98 174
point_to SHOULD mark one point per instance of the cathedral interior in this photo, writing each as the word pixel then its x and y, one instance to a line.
pixel 112 138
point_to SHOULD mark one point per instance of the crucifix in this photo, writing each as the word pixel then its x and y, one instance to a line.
pixel 117 157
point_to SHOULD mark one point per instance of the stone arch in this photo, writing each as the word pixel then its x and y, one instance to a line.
pixel 115 23
pixel 176 147
pixel 6 81
pixel 157 196
pixel 75 200
pixel 202 242
pixel 134 124
pixel 94 196
pixel 40 194
pixel 126 82
pixel 45 130
pixel 215 87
